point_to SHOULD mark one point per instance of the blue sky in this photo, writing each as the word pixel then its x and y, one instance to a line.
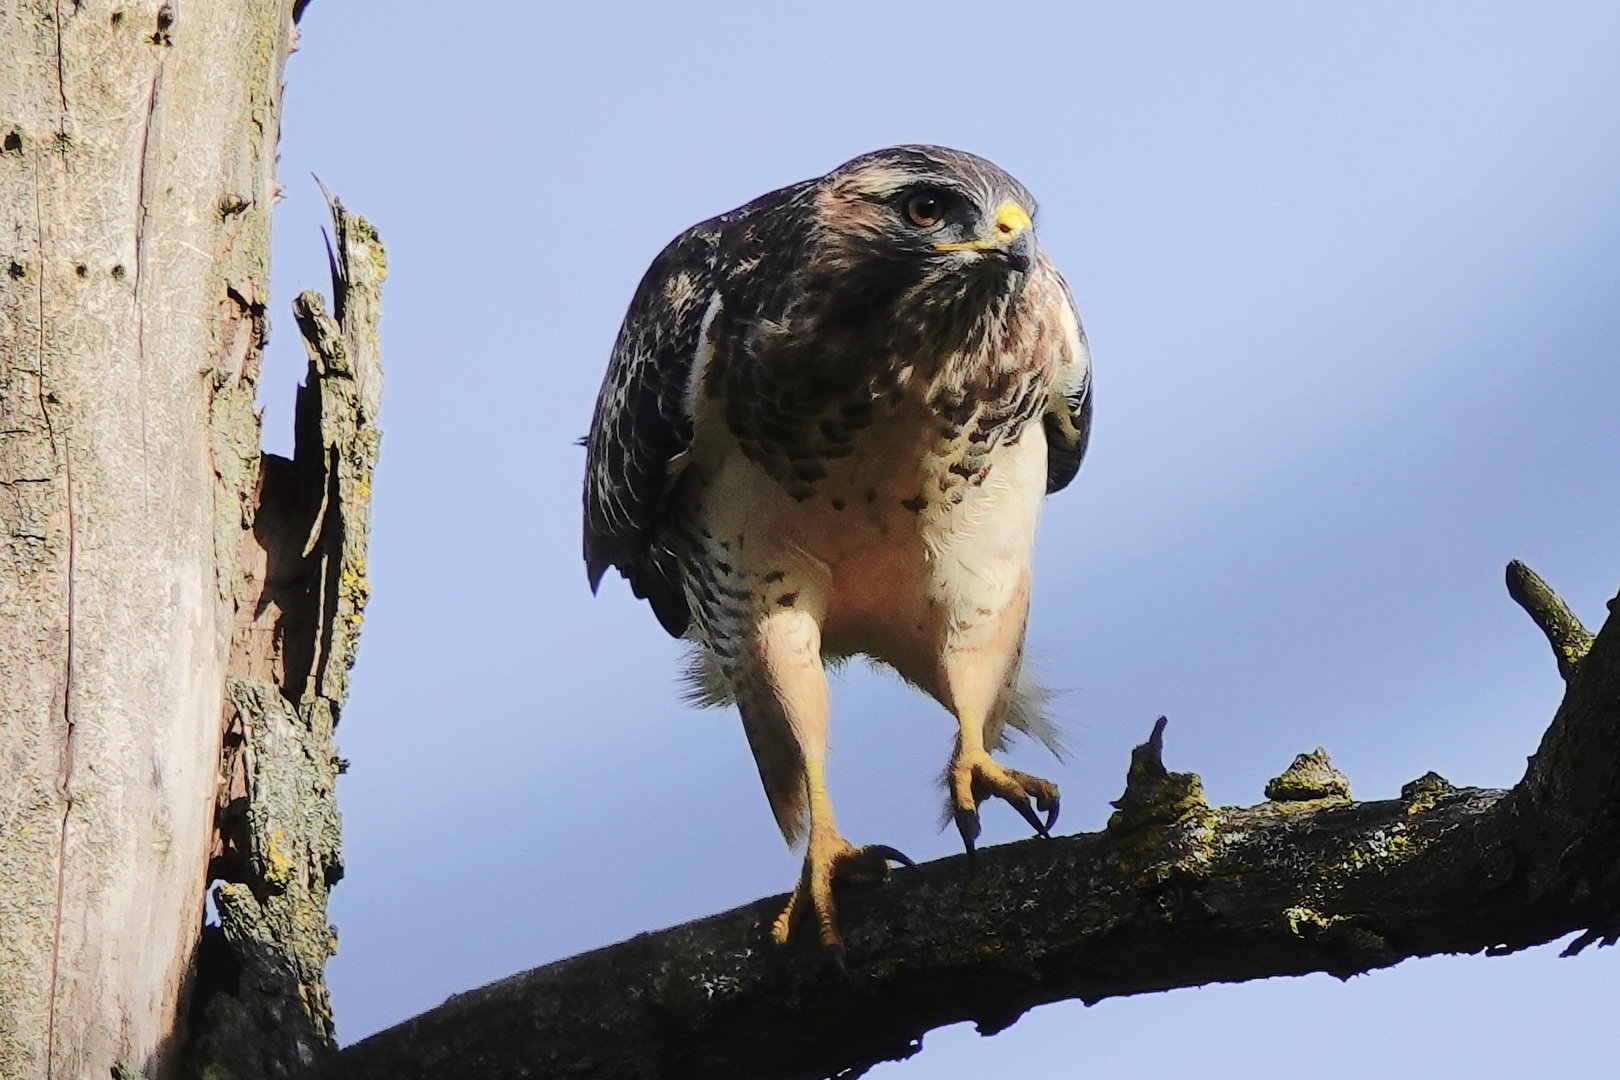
pixel 1349 273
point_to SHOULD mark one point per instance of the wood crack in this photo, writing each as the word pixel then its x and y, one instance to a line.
pixel 59 451
pixel 143 198
pixel 61 75
pixel 66 781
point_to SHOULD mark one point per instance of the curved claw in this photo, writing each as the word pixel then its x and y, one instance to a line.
pixel 1030 794
pixel 967 823
pixel 831 859
pixel 888 853
pixel 973 777
pixel 1027 812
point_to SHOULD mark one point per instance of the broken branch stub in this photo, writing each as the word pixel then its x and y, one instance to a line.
pixel 260 1008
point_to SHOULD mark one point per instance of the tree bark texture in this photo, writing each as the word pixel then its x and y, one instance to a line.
pixel 137 154
pixel 1172 893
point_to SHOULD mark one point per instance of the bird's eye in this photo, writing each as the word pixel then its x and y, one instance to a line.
pixel 925 209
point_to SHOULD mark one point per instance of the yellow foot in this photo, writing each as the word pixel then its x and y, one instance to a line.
pixel 974 776
pixel 831 858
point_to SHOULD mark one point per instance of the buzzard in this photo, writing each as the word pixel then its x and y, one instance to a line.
pixel 827 428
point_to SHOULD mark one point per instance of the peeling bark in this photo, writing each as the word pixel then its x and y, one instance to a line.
pixel 1172 893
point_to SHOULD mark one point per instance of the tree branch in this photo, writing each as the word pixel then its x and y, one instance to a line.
pixel 1172 893
pixel 1568 638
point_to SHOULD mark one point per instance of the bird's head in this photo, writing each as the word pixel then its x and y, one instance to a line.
pixel 926 235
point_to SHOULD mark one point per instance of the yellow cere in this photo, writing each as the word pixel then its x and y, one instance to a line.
pixel 1010 221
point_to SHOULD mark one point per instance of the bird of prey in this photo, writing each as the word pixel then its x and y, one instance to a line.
pixel 827 428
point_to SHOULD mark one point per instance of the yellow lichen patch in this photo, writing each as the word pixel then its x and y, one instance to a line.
pixel 1300 917
pixel 1154 796
pixel 1309 806
pixel 278 865
pixel 1403 846
pixel 1162 827
pixel 1422 794
pixel 1383 848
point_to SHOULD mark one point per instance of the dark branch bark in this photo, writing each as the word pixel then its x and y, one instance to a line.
pixel 1173 893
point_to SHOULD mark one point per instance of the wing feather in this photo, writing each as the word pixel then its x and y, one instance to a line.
pixel 643 422
pixel 737 265
pixel 1068 413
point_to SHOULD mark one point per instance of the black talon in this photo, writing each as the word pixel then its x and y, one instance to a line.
pixel 889 853
pixel 967 823
pixel 1028 813
pixel 1051 814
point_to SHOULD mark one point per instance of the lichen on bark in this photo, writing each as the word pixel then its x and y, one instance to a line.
pixel 261 1008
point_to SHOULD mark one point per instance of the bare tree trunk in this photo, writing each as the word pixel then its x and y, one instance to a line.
pixel 137 152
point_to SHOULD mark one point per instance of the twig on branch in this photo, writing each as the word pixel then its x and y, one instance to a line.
pixel 1172 893
pixel 1569 639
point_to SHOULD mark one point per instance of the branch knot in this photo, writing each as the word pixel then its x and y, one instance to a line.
pixel 1311 777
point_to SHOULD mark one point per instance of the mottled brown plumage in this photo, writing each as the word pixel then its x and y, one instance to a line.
pixel 827 428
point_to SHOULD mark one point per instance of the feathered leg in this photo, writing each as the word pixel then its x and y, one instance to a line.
pixel 782 696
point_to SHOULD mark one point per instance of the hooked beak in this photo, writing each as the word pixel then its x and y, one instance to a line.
pixel 1011 236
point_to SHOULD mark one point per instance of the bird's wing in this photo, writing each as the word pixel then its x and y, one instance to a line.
pixel 720 282
pixel 643 423
pixel 1068 413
